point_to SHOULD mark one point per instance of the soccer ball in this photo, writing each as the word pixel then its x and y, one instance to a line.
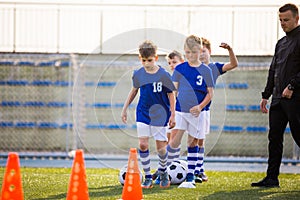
pixel 183 163
pixel 177 172
pixel 122 175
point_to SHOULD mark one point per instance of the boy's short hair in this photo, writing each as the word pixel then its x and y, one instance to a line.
pixel 206 43
pixel 174 54
pixel 147 49
pixel 289 6
pixel 193 40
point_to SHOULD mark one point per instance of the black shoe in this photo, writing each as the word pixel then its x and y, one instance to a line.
pixel 266 182
pixel 198 178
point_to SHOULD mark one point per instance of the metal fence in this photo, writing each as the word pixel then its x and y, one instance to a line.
pixel 56 103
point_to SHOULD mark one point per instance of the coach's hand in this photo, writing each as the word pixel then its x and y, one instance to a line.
pixel 263 106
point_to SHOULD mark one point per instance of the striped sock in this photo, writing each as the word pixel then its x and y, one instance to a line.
pixel 145 160
pixel 162 162
pixel 201 156
pixel 192 159
pixel 199 166
pixel 173 153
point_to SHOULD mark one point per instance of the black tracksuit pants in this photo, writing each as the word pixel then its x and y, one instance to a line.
pixel 282 112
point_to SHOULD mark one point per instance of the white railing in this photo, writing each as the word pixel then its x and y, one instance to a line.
pixel 92 26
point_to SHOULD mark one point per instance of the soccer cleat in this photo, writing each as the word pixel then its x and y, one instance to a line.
pixel 189 182
pixel 198 178
pixel 157 181
pixel 164 180
pixel 203 177
pixel 147 183
pixel 190 178
pixel 266 182
pixel 155 175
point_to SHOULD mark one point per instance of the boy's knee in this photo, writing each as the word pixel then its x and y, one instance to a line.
pixel 143 146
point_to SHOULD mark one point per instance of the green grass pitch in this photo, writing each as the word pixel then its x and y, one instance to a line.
pixel 52 184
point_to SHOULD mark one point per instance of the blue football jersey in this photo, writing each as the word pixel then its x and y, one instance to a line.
pixel 192 85
pixel 216 69
pixel 153 106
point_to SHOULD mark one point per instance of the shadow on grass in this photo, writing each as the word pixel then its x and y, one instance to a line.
pixel 110 191
pixel 59 196
pixel 256 193
pixel 105 191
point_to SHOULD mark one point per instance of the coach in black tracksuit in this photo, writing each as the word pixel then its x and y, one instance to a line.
pixel 284 85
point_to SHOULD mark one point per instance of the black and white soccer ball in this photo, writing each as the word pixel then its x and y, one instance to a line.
pixel 183 163
pixel 122 175
pixel 177 172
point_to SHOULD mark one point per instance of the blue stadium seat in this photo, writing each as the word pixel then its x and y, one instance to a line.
pixel 57 104
pixel 25 63
pixel 134 126
pixel 66 125
pixel 95 126
pixel 11 103
pixel 65 64
pixel 116 126
pixel 254 107
pixel 34 104
pixel 6 124
pixel 48 125
pixel 118 105
pixel 47 64
pixel 89 83
pixel 61 83
pixel 101 105
pixel 256 129
pixel 41 82
pixel 5 63
pixel 238 85
pixel 233 129
pixel 17 82
pixel 235 107
pixel 106 84
pixel 214 128
pixel 220 85
pixel 25 125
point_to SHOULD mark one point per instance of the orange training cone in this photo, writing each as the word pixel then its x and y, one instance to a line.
pixel 132 189
pixel 78 189
pixel 12 183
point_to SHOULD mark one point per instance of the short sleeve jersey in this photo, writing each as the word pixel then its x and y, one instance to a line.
pixel 153 106
pixel 192 85
pixel 216 69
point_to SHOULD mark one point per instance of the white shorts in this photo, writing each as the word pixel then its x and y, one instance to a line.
pixel 195 126
pixel 207 122
pixel 157 132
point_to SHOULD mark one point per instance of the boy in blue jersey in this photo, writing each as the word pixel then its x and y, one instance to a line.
pixel 194 83
pixel 174 58
pixel 155 110
pixel 217 70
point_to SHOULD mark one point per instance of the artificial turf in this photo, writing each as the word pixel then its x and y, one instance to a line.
pixel 52 184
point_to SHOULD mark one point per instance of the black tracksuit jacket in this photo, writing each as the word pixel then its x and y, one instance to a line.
pixel 285 66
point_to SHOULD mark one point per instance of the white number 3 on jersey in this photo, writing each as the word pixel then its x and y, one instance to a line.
pixel 199 80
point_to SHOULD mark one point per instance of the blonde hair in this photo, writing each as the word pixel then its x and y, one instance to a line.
pixel 192 41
